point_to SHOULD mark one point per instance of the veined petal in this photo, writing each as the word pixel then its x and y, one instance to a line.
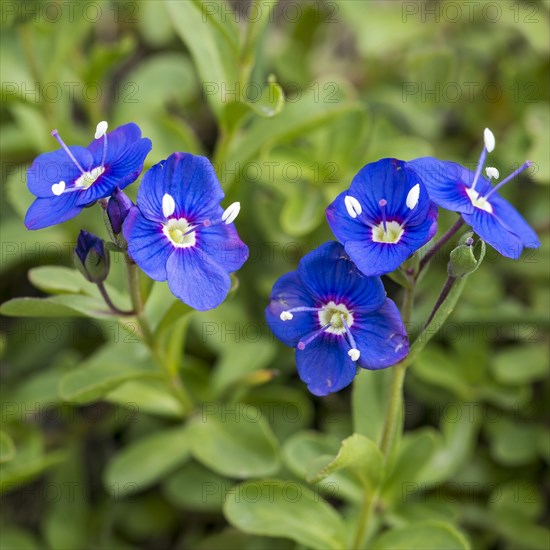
pixel 445 182
pixel 374 259
pixel 510 218
pixel 118 143
pixel 324 364
pixel 289 292
pixel 50 168
pixel 148 246
pixel 51 211
pixel 329 274
pixel 119 174
pixel 196 279
pixel 190 180
pixel 381 337
pixel 491 230
pixel 222 243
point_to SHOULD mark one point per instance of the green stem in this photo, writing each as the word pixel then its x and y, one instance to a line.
pixel 439 244
pixel 110 303
pixel 390 427
pixel 148 337
pixel 364 516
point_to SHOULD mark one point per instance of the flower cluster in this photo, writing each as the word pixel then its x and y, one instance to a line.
pixel 333 309
pixel 177 232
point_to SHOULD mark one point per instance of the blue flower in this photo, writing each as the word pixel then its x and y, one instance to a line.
pixel 384 217
pixel 336 318
pixel 456 188
pixel 178 231
pixel 71 178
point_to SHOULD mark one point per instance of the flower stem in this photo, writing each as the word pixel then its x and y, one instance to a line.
pixel 439 244
pixel 173 379
pixel 390 427
pixel 110 303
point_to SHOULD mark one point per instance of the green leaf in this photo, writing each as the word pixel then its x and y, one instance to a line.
pixel 104 371
pixel 370 397
pixel 146 461
pixel 295 120
pixel 152 397
pixel 520 364
pixel 277 508
pixel 14 538
pixel 213 54
pixel 360 455
pixel 66 518
pixel 302 451
pixel 194 487
pixel 513 442
pixel 7 447
pixel 37 307
pixel 430 535
pixel 234 440
pixel 414 455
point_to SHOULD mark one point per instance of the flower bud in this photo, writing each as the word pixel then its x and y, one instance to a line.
pixel 91 258
pixel 463 261
pixel 117 209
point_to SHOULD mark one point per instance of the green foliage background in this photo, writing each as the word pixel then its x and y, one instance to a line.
pixel 93 448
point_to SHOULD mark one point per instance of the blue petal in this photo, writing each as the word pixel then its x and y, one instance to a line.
pixel 491 230
pixel 344 227
pixel 192 182
pixel 50 168
pixel 324 364
pixel 289 292
pixel 148 246
pixel 387 179
pixel 329 274
pixel 118 142
pixel 446 183
pixel 45 212
pixel 381 337
pixel 222 243
pixel 509 217
pixel 375 259
pixel 119 174
pixel 196 279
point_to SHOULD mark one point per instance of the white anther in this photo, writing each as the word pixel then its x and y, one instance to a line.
pixel 352 206
pixel 168 205
pixel 354 354
pixel 286 316
pixel 101 128
pixel 231 212
pixel 58 188
pixel 413 196
pixel 489 139
pixel 492 172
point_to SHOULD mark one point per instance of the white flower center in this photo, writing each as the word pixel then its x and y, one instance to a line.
pixel 88 178
pixel 391 234
pixel 331 314
pixel 177 230
pixel 479 202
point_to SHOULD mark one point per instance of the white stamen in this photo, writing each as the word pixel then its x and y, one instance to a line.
pixel 352 206
pixel 354 354
pixel 58 188
pixel 168 205
pixel 413 196
pixel 489 139
pixel 492 172
pixel 286 316
pixel 101 128
pixel 231 212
